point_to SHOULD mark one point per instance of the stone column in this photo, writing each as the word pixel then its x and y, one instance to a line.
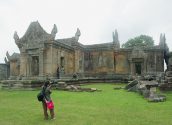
pixel 28 65
pixel 58 60
pixel 51 60
pixel 145 66
pixel 23 66
pixel 41 63
pixel 58 57
pixel 82 62
pixel 131 66
pixel 76 60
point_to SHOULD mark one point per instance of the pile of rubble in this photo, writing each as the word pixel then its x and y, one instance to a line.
pixel 146 88
pixel 74 88
pixel 167 85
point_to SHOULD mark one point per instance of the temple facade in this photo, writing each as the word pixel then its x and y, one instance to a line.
pixel 41 56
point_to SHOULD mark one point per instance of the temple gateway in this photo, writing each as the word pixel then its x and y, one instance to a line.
pixel 42 56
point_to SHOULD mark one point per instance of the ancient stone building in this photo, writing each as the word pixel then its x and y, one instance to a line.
pixel 41 54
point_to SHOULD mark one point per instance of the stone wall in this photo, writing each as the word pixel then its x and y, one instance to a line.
pixel 155 61
pixel 121 63
pixel 14 68
pixel 55 57
pixel 98 61
pixel 4 72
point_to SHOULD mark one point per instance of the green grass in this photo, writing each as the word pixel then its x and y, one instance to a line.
pixel 109 107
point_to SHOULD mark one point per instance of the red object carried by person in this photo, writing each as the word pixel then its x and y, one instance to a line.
pixel 50 104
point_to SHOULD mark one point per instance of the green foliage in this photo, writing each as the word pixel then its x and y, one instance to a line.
pixel 142 41
pixel 109 107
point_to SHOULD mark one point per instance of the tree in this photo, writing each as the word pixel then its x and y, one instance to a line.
pixel 142 41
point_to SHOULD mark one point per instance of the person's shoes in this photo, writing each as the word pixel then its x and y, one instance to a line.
pixel 53 118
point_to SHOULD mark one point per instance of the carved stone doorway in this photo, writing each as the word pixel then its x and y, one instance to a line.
pixel 138 68
pixel 35 66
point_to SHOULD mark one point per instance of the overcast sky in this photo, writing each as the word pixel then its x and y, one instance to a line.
pixel 96 19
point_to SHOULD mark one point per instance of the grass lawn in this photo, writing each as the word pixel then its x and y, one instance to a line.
pixel 109 107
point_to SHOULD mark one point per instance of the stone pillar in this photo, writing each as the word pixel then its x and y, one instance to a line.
pixel 131 67
pixel 23 64
pixel 41 63
pixel 133 71
pixel 28 65
pixel 145 66
pixel 82 62
pixel 51 60
pixel 76 60
pixel 58 57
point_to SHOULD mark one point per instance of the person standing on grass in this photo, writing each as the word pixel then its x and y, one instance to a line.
pixel 47 102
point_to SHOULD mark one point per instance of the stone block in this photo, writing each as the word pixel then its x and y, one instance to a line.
pixel 169 73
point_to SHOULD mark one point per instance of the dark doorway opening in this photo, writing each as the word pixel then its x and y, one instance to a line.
pixel 62 62
pixel 138 68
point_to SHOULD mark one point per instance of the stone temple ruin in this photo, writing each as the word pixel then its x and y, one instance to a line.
pixel 41 55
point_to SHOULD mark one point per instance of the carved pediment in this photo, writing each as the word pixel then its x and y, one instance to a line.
pixel 34 35
pixel 14 56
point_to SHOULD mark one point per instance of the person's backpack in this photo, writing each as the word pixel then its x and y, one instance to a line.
pixel 40 96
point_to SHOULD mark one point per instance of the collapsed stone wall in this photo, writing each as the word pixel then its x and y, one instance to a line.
pixel 146 88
